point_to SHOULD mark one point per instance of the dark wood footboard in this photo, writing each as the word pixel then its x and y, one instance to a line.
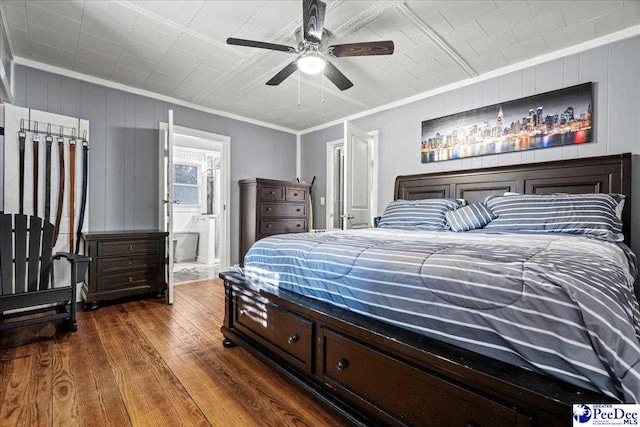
pixel 372 373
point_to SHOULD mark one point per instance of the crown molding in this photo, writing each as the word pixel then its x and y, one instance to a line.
pixel 571 50
pixel 119 86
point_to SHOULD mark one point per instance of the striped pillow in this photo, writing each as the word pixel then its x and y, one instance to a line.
pixel 427 214
pixel 476 215
pixel 588 214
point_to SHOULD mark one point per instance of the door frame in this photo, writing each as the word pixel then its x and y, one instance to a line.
pixel 331 145
pixel 225 185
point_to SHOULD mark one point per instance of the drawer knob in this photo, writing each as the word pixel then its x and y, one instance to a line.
pixel 293 338
pixel 298 225
pixel 342 364
pixel 268 225
pixel 243 312
pixel 130 279
pixel 472 424
pixel 130 247
pixel 130 262
pixel 272 192
pixel 298 210
pixel 268 209
pixel 295 194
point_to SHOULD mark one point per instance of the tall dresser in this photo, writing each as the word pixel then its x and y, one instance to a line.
pixel 124 264
pixel 269 207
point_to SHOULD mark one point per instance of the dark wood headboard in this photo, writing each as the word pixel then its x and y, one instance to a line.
pixel 607 174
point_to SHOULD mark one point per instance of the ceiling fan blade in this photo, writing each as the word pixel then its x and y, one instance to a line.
pixel 336 77
pixel 313 19
pixel 362 49
pixel 260 45
pixel 283 74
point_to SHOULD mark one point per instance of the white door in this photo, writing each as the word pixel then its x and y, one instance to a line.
pixel 358 180
pixel 166 196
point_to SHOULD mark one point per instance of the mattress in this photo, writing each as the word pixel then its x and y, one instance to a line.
pixel 558 304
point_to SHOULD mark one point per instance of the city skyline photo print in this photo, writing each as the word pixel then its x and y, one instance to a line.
pixel 552 119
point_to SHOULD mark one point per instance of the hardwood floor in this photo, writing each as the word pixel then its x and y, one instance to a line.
pixel 146 363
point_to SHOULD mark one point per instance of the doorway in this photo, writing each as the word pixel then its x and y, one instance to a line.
pixel 352 179
pixel 198 174
pixel 196 210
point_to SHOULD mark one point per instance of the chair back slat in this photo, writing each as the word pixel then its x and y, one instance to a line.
pixel 6 254
pixel 20 257
pixel 35 233
pixel 47 249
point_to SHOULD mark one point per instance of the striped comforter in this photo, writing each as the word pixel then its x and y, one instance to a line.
pixel 558 304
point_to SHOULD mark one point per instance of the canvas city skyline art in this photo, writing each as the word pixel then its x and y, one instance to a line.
pixel 552 119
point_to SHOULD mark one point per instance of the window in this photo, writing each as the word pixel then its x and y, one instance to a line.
pixel 185 184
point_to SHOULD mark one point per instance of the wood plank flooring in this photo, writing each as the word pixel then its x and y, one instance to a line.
pixel 145 363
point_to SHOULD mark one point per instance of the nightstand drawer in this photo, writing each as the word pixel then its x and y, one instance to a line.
pixel 130 247
pixel 131 280
pixel 111 265
pixel 283 209
pixel 271 193
pixel 280 226
pixel 296 194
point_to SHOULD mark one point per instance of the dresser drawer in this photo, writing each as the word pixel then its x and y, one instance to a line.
pixel 408 394
pixel 271 193
pixel 129 247
pixel 133 279
pixel 281 226
pixel 283 209
pixel 296 194
pixel 287 334
pixel 134 262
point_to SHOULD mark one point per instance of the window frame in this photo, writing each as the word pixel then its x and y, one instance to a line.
pixel 198 186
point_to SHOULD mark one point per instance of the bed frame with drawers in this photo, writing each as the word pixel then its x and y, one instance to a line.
pixel 372 373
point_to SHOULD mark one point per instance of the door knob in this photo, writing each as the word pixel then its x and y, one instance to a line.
pixel 348 216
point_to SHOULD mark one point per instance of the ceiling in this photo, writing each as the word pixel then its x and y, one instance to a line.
pixel 177 48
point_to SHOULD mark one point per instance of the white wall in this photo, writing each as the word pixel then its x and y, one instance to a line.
pixel 615 69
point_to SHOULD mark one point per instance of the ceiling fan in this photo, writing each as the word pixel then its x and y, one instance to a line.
pixel 313 52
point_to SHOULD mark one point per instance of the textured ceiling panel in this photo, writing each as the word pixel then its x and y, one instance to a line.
pixel 177 48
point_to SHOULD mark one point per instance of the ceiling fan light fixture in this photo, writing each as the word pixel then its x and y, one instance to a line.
pixel 311 64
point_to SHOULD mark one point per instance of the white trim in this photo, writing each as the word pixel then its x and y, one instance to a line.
pixel 114 85
pixel 374 174
pixel 298 157
pixel 225 176
pixel 591 44
pixel 331 146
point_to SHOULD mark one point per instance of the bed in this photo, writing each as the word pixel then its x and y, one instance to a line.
pixel 331 308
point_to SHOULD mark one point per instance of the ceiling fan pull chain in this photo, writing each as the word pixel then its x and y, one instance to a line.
pixel 299 79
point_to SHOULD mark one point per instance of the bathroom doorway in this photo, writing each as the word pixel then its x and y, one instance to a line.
pixel 199 179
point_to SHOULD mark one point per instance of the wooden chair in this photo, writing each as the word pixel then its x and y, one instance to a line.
pixel 26 274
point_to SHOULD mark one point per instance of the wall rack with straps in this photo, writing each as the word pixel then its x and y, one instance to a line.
pixel 64 167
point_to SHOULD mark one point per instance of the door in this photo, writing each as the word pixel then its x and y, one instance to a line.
pixel 358 178
pixel 166 195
